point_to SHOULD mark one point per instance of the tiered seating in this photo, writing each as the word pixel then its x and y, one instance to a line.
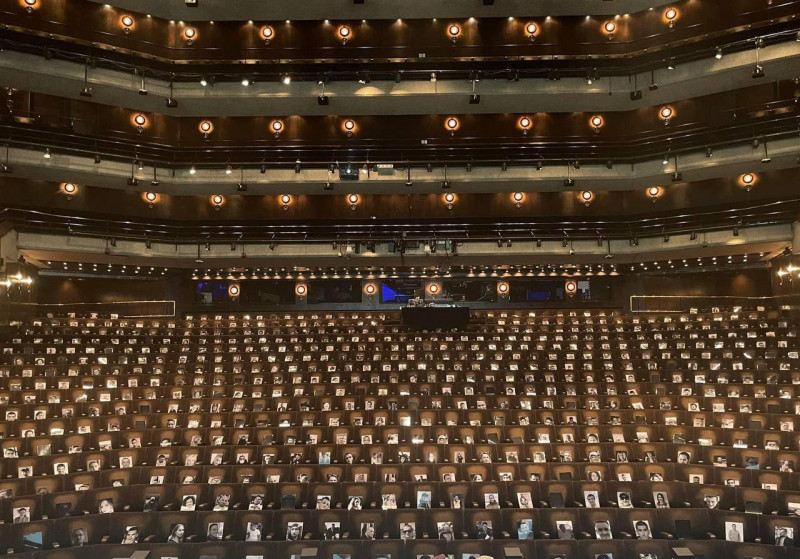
pixel 575 434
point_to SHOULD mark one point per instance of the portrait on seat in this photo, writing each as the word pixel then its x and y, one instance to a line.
pixel 177 532
pixel 483 530
pixel 592 499
pixel 78 537
pixel 256 502
pixel 624 500
pixel 491 500
pixel 525 500
pixel 294 531
pixel 189 503
pixel 734 531
pixel 784 536
pixel 446 531
pixel 602 530
pixel 408 531
pixel 423 499
pixel 20 515
pixel 711 501
pixel 222 501
pixel 641 529
pixel 565 531
pixel 131 535
pixel 355 503
pixel 660 499
pixel 525 529
pixel 367 530
pixel 389 501
pixel 214 531
pixel 332 531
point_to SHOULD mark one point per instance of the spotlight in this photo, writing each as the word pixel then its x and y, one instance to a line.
pixel 454 31
pixel 203 81
pixel 267 33
pixel 474 99
pixel 636 95
pixel 525 123
pixel 468 167
pixel 47 154
pixel 192 170
pixel 263 168
pixel 758 72
pixel 530 30
pixel 692 236
pixel 364 78
pixel 190 34
pixel 287 79
pixel 328 186
pixel 445 184
pixel 610 27
pixel 539 165
pixel 97 159
pixel 297 167
pixel 665 160
pixel 228 170
pixel 323 100
pixel 718 54
pixel 504 166
pixel 569 182
pixel 133 181
pixel 709 151
pixel 241 187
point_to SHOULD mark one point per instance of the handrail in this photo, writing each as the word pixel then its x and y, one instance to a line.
pixel 683 303
pixel 125 309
